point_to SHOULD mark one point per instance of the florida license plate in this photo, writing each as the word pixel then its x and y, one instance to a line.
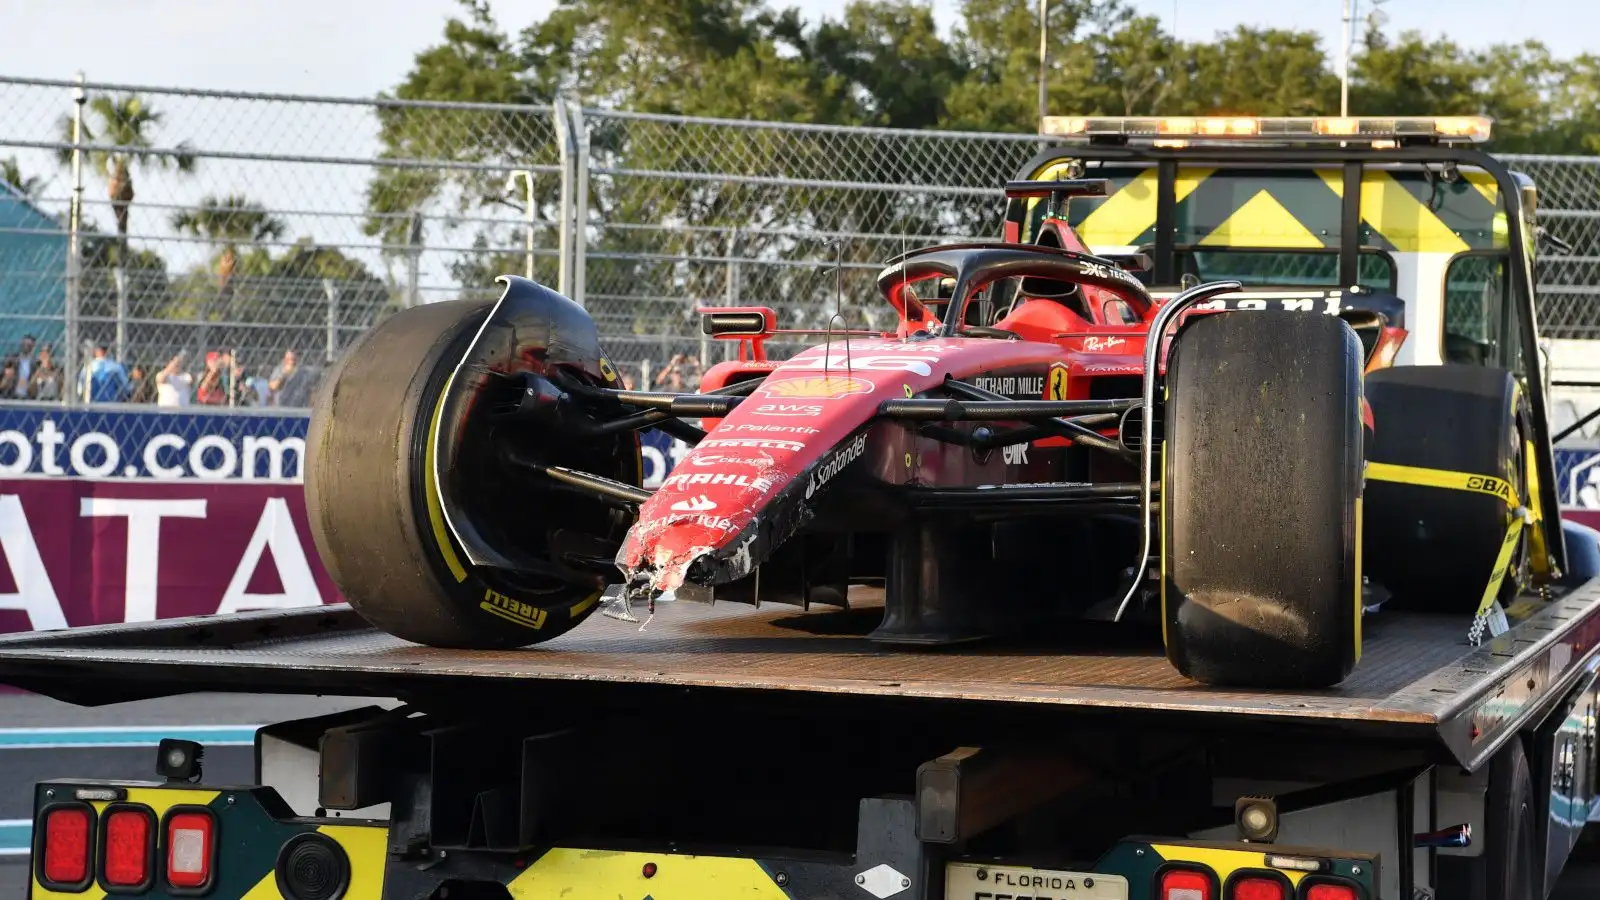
pixel 972 881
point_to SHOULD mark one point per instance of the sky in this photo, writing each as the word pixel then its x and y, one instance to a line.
pixel 356 48
pixel 361 46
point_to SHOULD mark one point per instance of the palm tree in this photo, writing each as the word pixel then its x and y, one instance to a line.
pixel 227 222
pixel 120 126
pixel 30 186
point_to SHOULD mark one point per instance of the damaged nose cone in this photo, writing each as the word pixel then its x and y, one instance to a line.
pixel 638 589
pixel 649 585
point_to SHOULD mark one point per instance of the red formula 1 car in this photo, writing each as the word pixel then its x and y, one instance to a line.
pixel 1039 441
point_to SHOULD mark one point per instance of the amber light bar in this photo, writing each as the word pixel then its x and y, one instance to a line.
pixel 1179 130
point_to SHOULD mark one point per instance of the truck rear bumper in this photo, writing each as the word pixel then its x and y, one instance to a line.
pixel 256 858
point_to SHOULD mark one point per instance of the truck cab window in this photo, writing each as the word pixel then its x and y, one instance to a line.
pixel 1477 290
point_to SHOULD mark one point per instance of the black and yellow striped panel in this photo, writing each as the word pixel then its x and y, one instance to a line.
pixel 1402 210
pixel 248 840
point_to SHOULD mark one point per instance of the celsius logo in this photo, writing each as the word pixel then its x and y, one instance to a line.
pixel 698 504
pixel 844 456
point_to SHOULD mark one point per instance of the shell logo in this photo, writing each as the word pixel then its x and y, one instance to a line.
pixel 819 386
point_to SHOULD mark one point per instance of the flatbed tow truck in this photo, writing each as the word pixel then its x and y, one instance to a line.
pixel 762 751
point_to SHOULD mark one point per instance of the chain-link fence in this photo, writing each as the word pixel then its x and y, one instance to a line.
pixel 233 228
pixel 203 239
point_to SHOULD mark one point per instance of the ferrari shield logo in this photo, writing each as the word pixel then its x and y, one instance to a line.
pixel 1055 384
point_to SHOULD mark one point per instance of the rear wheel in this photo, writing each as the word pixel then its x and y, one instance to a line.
pixel 1261 500
pixel 1507 869
pixel 1449 468
pixel 372 509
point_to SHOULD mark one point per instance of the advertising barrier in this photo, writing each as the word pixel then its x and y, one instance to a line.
pixel 127 514
pixel 131 514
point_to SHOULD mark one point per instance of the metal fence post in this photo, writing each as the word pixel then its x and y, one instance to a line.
pixel 69 357
pixel 414 260
pixel 119 277
pixel 730 296
pixel 564 146
pixel 331 290
pixel 580 212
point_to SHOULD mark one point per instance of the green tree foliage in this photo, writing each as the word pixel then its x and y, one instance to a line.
pixel 121 127
pixel 30 186
pixel 878 63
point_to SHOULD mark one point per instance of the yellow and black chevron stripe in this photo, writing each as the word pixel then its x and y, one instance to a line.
pixel 1402 210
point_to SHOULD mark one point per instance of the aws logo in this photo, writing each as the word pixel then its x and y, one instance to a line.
pixel 821 386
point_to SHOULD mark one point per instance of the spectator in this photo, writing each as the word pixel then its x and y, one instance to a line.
pixel 173 383
pixel 140 389
pixel 45 382
pixel 680 374
pixel 104 380
pixel 290 384
pixel 213 388
pixel 24 369
pixel 246 392
pixel 9 379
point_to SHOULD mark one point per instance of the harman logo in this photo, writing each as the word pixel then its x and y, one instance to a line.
pixel 820 386
pixel 842 457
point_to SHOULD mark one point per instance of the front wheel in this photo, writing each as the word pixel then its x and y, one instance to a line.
pixel 375 512
pixel 1261 500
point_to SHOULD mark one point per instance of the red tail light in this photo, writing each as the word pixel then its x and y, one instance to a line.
pixel 1258 887
pixel 1185 884
pixel 1332 892
pixel 128 846
pixel 191 840
pixel 67 843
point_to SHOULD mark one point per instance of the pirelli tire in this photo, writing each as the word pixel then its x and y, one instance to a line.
pixel 1449 470
pixel 1260 500
pixel 367 496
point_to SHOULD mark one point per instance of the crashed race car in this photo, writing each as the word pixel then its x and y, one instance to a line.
pixel 1042 439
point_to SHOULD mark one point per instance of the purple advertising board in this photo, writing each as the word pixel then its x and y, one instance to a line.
pixel 114 514
pixel 128 514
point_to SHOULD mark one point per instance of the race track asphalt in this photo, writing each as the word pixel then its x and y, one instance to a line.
pixel 42 738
